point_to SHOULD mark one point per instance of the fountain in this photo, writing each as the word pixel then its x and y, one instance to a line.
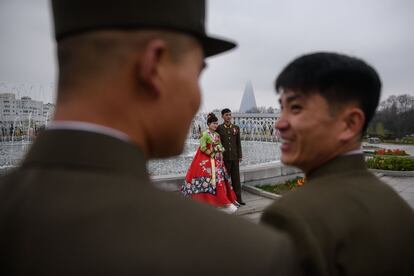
pixel 259 147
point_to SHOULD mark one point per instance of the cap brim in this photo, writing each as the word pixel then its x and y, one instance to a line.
pixel 214 46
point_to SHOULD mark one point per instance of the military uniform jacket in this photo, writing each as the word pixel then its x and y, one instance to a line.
pixel 345 221
pixel 82 204
pixel 230 138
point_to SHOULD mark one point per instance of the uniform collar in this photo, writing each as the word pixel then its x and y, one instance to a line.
pixel 352 152
pixel 85 126
pixel 228 126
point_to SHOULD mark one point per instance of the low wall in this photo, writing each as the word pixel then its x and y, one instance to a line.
pixel 254 175
pixel 268 173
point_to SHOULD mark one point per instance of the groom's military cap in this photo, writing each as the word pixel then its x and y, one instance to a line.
pixel 72 17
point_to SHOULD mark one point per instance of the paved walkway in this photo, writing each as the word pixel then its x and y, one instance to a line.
pixel 256 204
pixel 254 207
pixel 403 185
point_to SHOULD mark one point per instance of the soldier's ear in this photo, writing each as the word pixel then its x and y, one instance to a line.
pixel 353 119
pixel 147 67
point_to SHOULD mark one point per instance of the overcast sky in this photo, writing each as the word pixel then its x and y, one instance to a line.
pixel 270 33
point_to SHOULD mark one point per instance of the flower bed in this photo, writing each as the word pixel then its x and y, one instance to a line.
pixel 394 152
pixel 391 163
pixel 284 187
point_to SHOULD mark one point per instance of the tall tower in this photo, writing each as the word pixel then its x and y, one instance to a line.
pixel 248 101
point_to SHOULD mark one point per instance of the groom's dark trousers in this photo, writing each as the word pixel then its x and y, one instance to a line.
pixel 230 138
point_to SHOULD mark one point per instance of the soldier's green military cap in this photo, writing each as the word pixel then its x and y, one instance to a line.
pixel 72 17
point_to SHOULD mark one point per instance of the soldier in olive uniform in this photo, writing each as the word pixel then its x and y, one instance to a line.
pixel 230 138
pixel 82 202
pixel 345 220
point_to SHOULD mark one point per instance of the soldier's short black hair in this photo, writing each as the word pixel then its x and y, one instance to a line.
pixel 211 118
pixel 340 79
pixel 224 111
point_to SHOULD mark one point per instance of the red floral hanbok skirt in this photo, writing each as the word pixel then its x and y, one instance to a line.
pixel 207 180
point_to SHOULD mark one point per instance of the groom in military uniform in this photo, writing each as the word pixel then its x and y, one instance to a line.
pixel 230 138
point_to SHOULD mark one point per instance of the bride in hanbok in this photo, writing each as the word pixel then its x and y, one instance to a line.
pixel 207 179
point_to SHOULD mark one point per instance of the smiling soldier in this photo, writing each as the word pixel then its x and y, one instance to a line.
pixel 345 221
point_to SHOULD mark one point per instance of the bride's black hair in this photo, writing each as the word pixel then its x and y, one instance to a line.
pixel 211 118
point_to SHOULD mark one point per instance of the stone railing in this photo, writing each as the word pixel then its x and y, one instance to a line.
pixel 267 173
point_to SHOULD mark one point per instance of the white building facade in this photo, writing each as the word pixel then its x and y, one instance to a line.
pixel 23 116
